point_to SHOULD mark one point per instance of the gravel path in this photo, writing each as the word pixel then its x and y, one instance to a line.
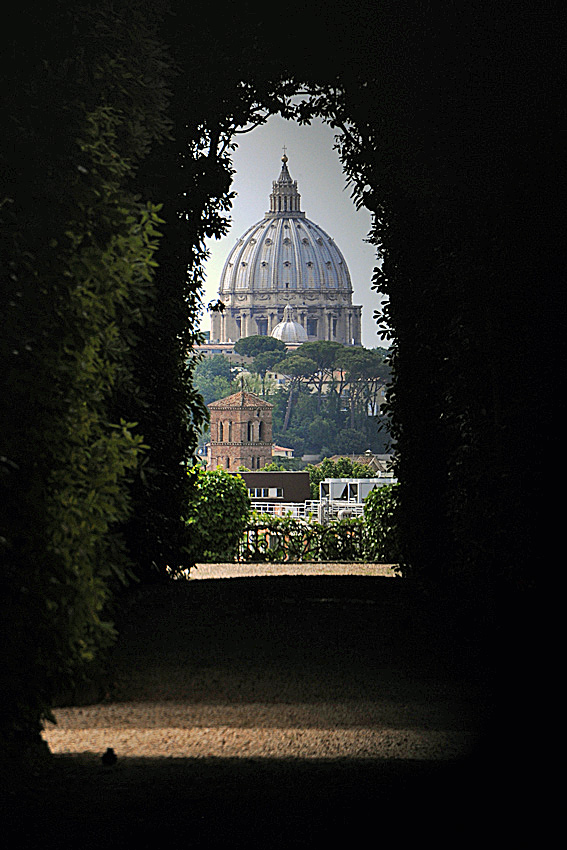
pixel 175 706
pixel 178 730
pixel 250 692
pixel 202 571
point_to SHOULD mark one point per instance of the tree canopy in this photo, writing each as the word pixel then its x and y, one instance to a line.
pixel 342 467
pixel 252 346
pixel 330 402
pixel 213 377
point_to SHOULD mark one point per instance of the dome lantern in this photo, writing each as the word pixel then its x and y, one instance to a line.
pixel 284 198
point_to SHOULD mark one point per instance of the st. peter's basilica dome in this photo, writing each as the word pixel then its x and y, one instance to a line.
pixel 286 260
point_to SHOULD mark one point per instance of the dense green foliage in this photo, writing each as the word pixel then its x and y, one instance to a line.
pixel 78 251
pixel 252 346
pixel 214 377
pixel 330 403
pixel 458 157
pixel 290 539
pixel 217 515
pixel 381 518
pixel 332 399
pixel 265 352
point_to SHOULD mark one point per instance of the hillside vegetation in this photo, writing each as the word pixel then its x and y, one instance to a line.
pixel 328 398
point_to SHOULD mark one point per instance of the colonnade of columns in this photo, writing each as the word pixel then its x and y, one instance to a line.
pixel 335 324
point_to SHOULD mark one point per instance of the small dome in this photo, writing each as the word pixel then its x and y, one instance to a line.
pixel 289 331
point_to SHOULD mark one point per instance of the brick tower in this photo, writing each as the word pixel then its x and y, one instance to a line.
pixel 241 432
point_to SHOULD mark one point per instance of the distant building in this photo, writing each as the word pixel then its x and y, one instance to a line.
pixel 241 432
pixel 280 451
pixel 351 489
pixel 209 349
pixel 380 463
pixel 272 487
pixel 286 278
pixel 340 498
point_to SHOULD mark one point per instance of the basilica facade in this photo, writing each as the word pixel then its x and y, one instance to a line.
pixel 285 270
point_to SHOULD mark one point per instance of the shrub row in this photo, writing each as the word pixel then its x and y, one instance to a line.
pixel 293 539
pixel 281 539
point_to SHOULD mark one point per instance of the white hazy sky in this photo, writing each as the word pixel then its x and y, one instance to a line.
pixel 325 199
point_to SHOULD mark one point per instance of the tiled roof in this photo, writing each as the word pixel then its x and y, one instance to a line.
pixel 240 399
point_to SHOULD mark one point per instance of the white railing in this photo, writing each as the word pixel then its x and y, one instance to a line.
pixel 298 509
pixel 321 512
pixel 339 509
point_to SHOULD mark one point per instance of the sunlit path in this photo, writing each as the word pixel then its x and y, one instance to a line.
pixel 262 708
pixel 316 731
pixel 326 661
pixel 242 570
